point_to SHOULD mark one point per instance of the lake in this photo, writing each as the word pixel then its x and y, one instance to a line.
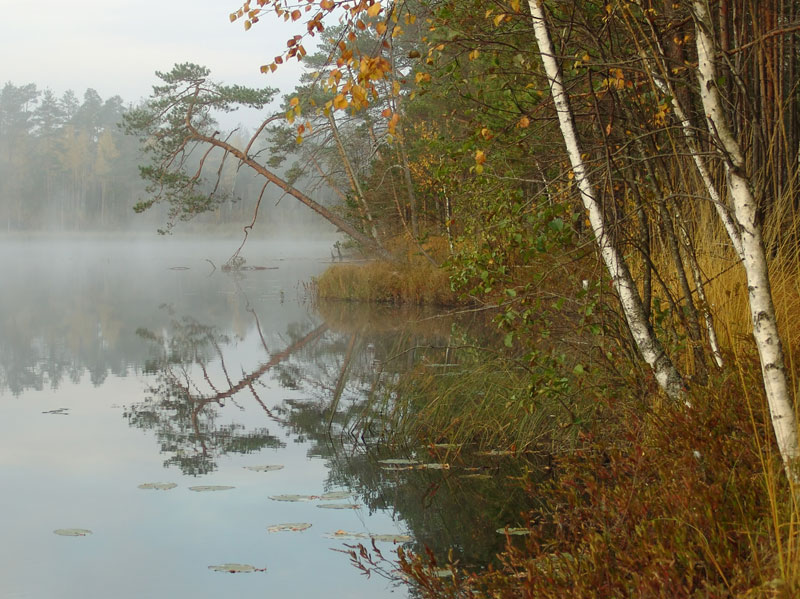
pixel 166 417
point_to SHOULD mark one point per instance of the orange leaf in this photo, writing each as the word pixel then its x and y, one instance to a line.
pixel 480 157
pixel 326 5
pixel 340 102
pixel 296 14
pixel 386 113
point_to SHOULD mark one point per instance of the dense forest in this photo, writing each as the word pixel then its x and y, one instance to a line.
pixel 67 165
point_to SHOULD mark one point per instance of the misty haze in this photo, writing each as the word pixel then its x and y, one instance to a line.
pixel 432 299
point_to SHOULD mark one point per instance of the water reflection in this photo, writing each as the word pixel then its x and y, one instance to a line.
pixel 213 374
pixel 346 370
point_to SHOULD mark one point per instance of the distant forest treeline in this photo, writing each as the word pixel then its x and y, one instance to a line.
pixel 66 165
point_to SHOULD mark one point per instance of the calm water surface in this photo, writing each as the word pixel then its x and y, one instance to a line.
pixel 88 412
pixel 124 363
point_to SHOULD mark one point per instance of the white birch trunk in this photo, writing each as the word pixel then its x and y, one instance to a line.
pixel 694 148
pixel 648 345
pixel 762 310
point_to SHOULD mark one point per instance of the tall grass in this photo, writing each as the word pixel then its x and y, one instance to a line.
pixel 412 278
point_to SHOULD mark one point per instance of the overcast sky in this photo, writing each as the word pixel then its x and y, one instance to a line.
pixel 116 47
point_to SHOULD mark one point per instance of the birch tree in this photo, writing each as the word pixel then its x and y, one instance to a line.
pixel 754 259
pixel 649 347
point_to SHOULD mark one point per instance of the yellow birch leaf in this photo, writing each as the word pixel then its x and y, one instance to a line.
pixel 499 19
pixel 480 157
pixel 233 17
pixel 524 122
pixel 247 25
pixel 380 28
pixel 340 102
pixel 294 101
pixel 373 10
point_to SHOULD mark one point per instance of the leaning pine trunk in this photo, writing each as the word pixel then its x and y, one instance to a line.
pixel 648 345
pixel 762 309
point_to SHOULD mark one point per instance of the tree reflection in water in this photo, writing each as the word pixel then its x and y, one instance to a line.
pixel 347 370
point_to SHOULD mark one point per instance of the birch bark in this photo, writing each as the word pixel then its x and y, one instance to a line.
pixel 762 309
pixel 647 344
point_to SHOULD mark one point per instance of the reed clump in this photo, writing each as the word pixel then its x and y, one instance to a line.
pixel 414 277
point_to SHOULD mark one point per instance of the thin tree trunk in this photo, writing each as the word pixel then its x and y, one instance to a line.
pixel 647 344
pixel 762 309
pixel 351 176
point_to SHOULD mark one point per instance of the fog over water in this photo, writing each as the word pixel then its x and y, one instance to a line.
pixel 78 366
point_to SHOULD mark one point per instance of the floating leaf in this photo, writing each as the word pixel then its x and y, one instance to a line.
pixel 339 506
pixel 236 568
pixel 514 531
pixel 58 411
pixel 335 495
pixel 292 497
pixel 290 526
pixel 391 538
pixel 204 488
pixel 72 532
pixel 343 534
pixel 434 466
pixel 265 468
pixel 158 486
pixel 441 572
pixel 399 462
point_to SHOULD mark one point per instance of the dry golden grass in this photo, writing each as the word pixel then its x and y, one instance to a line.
pixel 411 279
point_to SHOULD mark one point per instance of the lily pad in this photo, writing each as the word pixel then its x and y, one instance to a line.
pixel 434 466
pixel 205 488
pixel 236 568
pixel 398 462
pixel 391 538
pixel 58 411
pixel 441 572
pixel 335 495
pixel 72 532
pixel 265 468
pixel 344 534
pixel 339 506
pixel 447 445
pixel 292 497
pixel 158 486
pixel 289 526
pixel 514 531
